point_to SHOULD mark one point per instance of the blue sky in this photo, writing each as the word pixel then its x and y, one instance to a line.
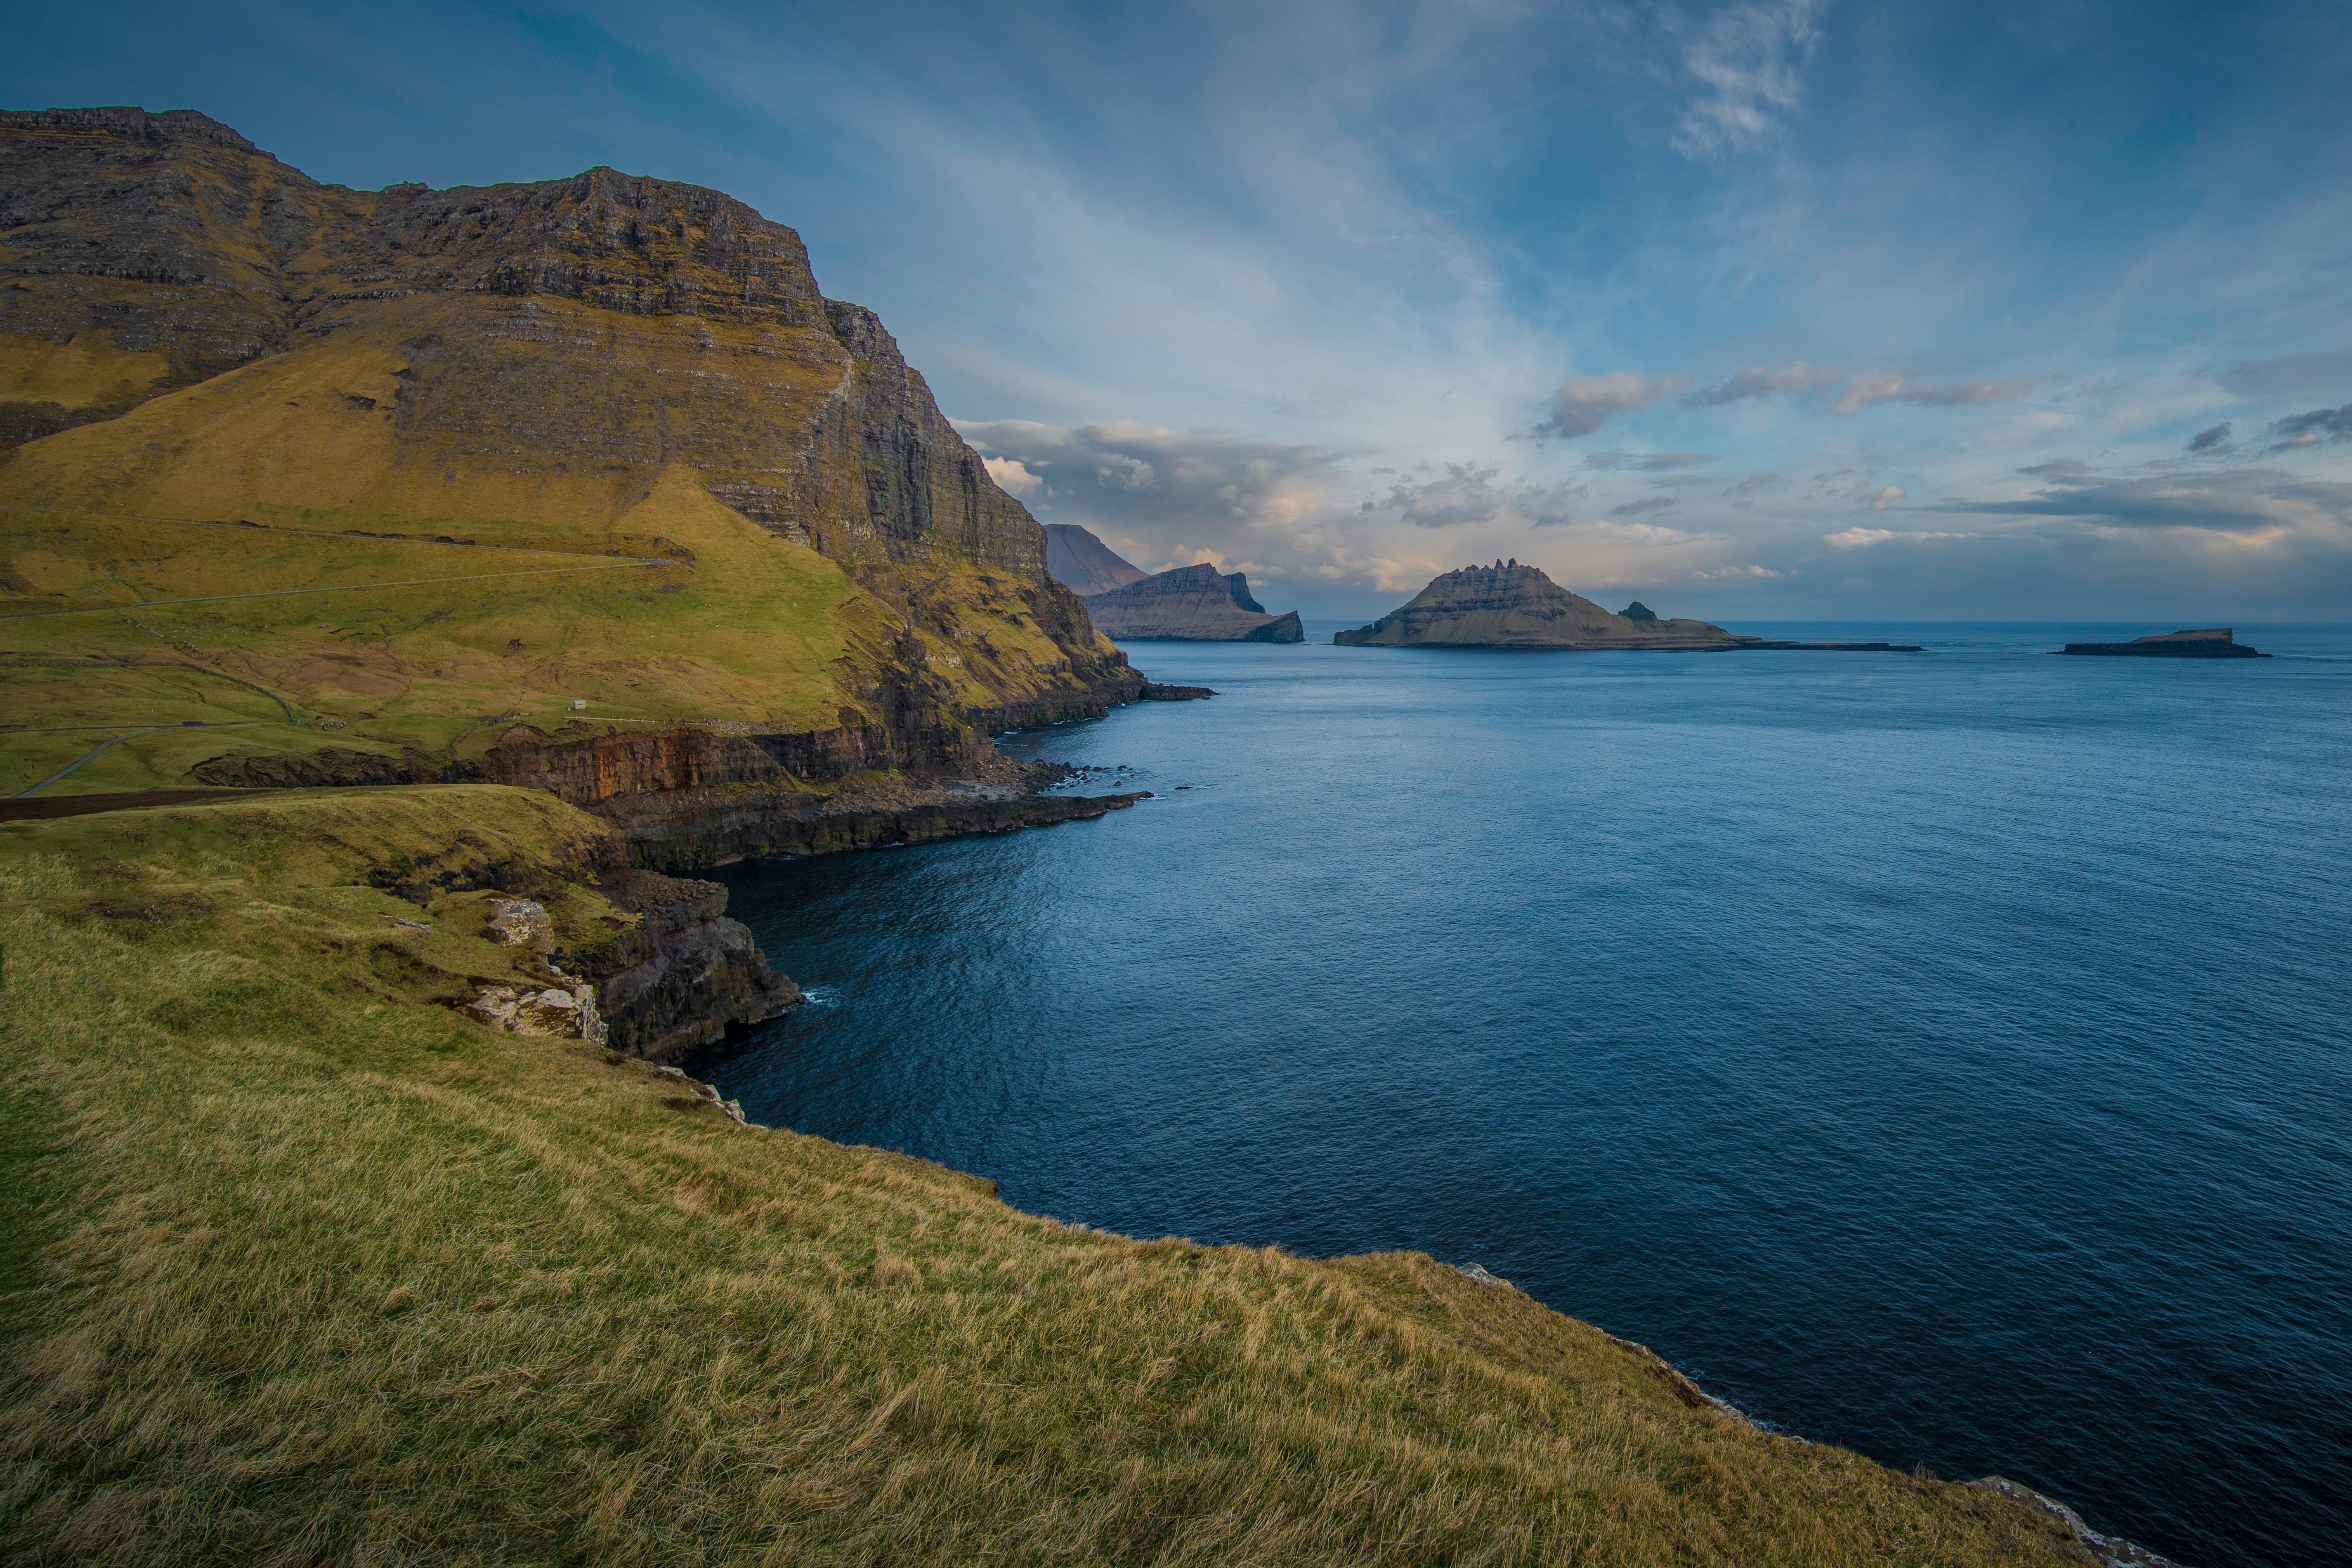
pixel 1790 308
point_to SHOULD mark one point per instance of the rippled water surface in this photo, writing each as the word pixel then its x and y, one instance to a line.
pixel 1942 1055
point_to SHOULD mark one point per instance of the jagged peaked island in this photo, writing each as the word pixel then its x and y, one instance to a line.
pixel 1189 603
pixel 2211 642
pixel 1511 606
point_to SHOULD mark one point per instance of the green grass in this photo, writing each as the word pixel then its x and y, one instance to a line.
pixel 321 1272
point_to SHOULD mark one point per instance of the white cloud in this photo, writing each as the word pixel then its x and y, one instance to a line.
pixel 1126 473
pixel 1752 59
pixel 1886 498
pixel 1013 478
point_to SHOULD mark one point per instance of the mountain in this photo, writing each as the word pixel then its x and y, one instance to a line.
pixel 736 541
pixel 1190 603
pixel 1511 606
pixel 1083 564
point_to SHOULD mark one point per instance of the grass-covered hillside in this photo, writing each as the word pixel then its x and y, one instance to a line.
pixel 302 1267
pixel 480 412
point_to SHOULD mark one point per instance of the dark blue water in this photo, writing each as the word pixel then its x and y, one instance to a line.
pixel 1942 1055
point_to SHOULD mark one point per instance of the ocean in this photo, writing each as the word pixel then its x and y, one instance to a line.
pixel 1943 1054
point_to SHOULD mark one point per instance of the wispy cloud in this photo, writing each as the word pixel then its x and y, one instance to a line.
pixel 1642 508
pixel 2310 429
pixel 2212 441
pixel 1845 392
pixel 1648 462
pixel 1862 538
pixel 1584 403
pixel 2241 501
pixel 1466 493
pixel 1751 59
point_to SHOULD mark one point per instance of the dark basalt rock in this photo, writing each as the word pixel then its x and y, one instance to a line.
pixel 698 828
pixel 684 973
pixel 1639 613
pixel 1155 692
pixel 2212 642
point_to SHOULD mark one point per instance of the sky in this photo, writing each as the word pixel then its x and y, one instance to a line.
pixel 1767 310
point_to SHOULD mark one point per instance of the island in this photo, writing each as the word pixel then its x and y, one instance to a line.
pixel 2211 642
pixel 1509 604
pixel 1190 604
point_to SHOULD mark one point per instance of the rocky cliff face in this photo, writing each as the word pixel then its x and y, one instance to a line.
pixel 1084 565
pixel 540 354
pixel 1511 606
pixel 1190 603
pixel 684 973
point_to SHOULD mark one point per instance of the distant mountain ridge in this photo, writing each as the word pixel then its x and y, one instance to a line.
pixel 1084 565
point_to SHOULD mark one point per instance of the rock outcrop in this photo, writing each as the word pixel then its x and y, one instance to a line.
pixel 691 828
pixel 1510 606
pixel 2212 642
pixel 1190 603
pixel 1084 565
pixel 684 974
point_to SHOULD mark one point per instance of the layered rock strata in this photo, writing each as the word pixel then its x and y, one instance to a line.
pixel 1511 606
pixel 1190 603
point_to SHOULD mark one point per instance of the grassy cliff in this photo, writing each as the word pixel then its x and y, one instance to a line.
pixel 597 439
pixel 300 1267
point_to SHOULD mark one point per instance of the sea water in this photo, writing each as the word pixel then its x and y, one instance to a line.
pixel 1943 1054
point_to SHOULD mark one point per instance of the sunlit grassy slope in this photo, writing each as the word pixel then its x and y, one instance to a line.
pixel 744 626
pixel 304 1269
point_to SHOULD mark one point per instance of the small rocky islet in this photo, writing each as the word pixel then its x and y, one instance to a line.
pixel 2209 642
pixel 1511 605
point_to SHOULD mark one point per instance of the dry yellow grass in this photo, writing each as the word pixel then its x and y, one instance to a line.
pixel 301 1271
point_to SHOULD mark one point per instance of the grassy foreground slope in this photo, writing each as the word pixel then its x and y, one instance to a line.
pixel 303 1269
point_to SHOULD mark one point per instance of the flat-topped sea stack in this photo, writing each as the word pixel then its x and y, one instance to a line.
pixel 1511 606
pixel 1190 603
pixel 1084 565
pixel 2212 642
